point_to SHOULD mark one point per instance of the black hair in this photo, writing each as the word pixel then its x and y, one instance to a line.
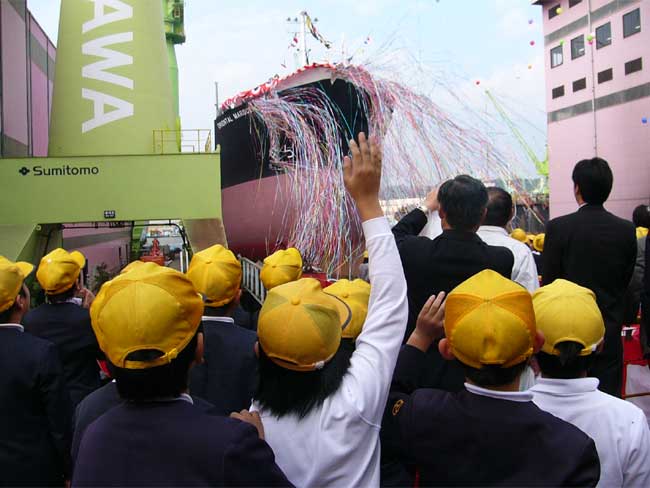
pixel 641 216
pixel 63 296
pixel 493 374
pixel 568 365
pixel 168 380
pixel 499 207
pixel 463 200
pixel 5 316
pixel 217 311
pixel 283 391
pixel 594 179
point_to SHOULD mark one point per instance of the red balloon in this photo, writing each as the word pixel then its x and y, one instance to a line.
pixel 532 43
pixel 478 82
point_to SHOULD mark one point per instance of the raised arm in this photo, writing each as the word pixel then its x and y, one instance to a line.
pixel 412 223
pixel 371 366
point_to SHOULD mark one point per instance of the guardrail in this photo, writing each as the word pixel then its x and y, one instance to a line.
pixel 251 279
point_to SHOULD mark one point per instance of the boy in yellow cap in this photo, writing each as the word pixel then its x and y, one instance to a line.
pixel 65 321
pixel 147 323
pixel 321 417
pixel 226 378
pixel 34 405
pixel 573 326
pixel 490 433
pixel 281 267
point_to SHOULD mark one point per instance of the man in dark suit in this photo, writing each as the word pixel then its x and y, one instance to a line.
pixel 597 250
pixel 490 433
pixel 34 405
pixel 146 321
pixel 65 322
pixel 227 376
pixel 432 266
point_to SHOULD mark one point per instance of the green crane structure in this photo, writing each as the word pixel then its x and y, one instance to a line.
pixel 540 165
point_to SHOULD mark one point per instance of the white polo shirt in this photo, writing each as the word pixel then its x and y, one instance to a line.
pixel 619 428
pixel 524 271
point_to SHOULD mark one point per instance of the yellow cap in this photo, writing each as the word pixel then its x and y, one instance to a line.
pixel 133 265
pixel 281 267
pixel 59 270
pixel 299 326
pixel 641 232
pixel 519 234
pixel 149 307
pixel 216 274
pixel 490 320
pixel 568 312
pixel 356 295
pixel 12 276
pixel 538 242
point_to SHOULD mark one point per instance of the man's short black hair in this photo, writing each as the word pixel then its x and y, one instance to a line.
pixel 499 207
pixel 594 178
pixel 283 391
pixel 463 200
pixel 493 374
pixel 568 364
pixel 169 380
pixel 5 316
pixel 641 216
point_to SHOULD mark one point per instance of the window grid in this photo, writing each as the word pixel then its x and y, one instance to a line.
pixel 632 23
pixel 580 84
pixel 633 66
pixel 606 75
pixel 553 11
pixel 577 47
pixel 604 35
pixel 558 92
pixel 557 56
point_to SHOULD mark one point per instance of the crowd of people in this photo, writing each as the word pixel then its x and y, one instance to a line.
pixel 452 362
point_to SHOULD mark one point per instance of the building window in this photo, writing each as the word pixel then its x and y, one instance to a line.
pixel 558 92
pixel 580 84
pixel 606 75
pixel 577 47
pixel 557 58
pixel 633 66
pixel 604 35
pixel 553 11
pixel 632 23
pixel 573 3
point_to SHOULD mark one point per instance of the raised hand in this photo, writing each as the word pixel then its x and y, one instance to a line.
pixel 430 323
pixel 362 176
pixel 431 200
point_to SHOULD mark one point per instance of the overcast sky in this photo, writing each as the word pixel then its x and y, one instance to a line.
pixel 241 44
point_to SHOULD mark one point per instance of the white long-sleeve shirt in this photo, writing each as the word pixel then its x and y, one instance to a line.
pixel 337 443
pixel 619 428
pixel 524 270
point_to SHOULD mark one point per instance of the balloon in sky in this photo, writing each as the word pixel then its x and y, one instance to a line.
pixel 478 82
pixel 530 21
pixel 532 43
pixel 530 66
pixel 644 120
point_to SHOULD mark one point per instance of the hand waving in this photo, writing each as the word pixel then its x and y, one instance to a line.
pixel 362 176
pixel 430 323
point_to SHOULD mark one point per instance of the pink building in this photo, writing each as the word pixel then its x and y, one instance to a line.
pixel 597 63
pixel 26 78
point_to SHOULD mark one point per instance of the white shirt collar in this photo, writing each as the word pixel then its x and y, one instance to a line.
pixel 225 320
pixel 493 228
pixel 513 396
pixel 13 326
pixel 561 387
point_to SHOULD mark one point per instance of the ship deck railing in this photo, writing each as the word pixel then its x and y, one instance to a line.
pixel 251 281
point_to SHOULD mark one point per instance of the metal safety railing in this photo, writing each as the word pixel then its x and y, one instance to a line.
pixel 251 281
pixel 184 140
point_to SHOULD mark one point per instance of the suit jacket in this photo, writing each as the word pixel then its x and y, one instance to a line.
pixel 67 325
pixel 173 443
pixel 101 401
pixel 594 249
pixel 228 374
pixel 34 412
pixel 441 264
pixel 463 439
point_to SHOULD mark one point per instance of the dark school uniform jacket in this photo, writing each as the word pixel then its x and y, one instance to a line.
pixel 441 264
pixel 463 438
pixel 35 413
pixel 173 443
pixel 67 325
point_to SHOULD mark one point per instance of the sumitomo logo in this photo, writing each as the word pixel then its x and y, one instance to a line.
pixel 64 170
